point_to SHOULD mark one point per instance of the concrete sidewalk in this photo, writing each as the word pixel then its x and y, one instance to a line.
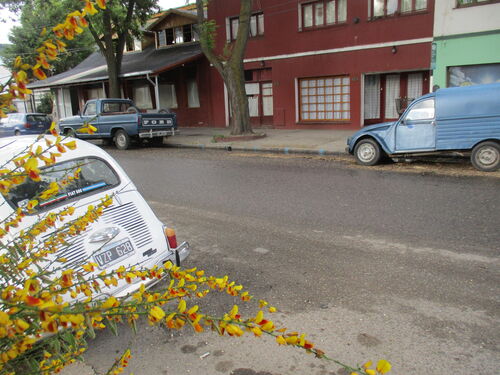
pixel 307 141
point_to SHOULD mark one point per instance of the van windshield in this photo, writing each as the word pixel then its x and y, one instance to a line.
pixel 95 175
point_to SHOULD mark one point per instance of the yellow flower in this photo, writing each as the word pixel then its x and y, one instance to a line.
pixel 367 364
pixel 281 340
pixel 259 317
pixel 234 330
pixel 156 314
pixel 234 312
pixel 102 4
pixel 71 145
pixel 182 306
pixel 89 8
pixel 383 366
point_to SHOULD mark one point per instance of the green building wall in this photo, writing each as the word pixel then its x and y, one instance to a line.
pixel 460 50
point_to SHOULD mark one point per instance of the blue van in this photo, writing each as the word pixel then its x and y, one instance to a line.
pixel 450 120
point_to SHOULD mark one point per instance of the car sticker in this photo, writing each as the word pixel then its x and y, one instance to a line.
pixel 73 193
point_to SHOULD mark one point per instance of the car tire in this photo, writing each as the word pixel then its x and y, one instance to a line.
pixel 486 156
pixel 17 133
pixel 367 152
pixel 122 140
pixel 70 133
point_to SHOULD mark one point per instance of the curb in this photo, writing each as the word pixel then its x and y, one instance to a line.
pixel 275 150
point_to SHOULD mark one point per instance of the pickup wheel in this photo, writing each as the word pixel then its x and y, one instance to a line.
pixel 122 140
pixel 367 152
pixel 486 156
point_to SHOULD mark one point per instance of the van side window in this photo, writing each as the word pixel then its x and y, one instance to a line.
pixel 423 110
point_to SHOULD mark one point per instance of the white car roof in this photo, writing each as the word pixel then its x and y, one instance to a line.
pixel 12 146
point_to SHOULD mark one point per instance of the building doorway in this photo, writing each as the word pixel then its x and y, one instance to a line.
pixel 259 89
pixel 387 95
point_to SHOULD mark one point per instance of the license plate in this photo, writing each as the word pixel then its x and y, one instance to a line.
pixel 112 253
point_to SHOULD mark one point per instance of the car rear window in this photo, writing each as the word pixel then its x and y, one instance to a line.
pixel 37 118
pixel 95 176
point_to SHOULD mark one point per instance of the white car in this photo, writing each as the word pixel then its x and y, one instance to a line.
pixel 128 232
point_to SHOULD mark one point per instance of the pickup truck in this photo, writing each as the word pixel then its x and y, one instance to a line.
pixel 120 121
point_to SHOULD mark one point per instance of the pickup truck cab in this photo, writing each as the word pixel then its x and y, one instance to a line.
pixel 448 121
pixel 120 121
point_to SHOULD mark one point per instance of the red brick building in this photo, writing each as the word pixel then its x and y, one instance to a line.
pixel 338 64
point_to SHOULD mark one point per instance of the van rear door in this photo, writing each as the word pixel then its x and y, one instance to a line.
pixel 416 131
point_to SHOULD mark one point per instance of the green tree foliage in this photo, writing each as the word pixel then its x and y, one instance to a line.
pixel 112 26
pixel 35 15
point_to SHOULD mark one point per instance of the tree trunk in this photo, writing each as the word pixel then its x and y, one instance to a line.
pixel 230 66
pixel 240 116
pixel 113 74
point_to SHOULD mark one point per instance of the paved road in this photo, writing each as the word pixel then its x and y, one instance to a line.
pixel 371 263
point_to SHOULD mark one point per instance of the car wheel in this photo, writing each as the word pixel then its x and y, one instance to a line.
pixel 122 140
pixel 17 132
pixel 367 152
pixel 486 156
pixel 70 133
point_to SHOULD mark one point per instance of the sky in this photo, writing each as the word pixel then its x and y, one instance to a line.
pixel 164 4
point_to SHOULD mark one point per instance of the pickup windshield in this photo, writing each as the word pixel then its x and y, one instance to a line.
pixel 94 175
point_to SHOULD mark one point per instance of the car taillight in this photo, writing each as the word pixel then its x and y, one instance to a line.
pixel 27 125
pixel 171 237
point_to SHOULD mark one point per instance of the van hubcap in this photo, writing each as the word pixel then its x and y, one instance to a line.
pixel 488 156
pixel 366 152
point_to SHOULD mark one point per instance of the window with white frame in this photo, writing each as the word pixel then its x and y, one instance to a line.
pixel 192 91
pixel 95 93
pixel 466 3
pixel 142 97
pixel 168 98
pixel 256 26
pixel 133 44
pixel 323 12
pixel 177 35
pixel 325 99
pixel 382 8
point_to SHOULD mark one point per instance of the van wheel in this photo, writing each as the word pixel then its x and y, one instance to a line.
pixel 486 156
pixel 122 140
pixel 367 152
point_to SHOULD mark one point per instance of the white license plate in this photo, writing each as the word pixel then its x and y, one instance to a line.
pixel 113 253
